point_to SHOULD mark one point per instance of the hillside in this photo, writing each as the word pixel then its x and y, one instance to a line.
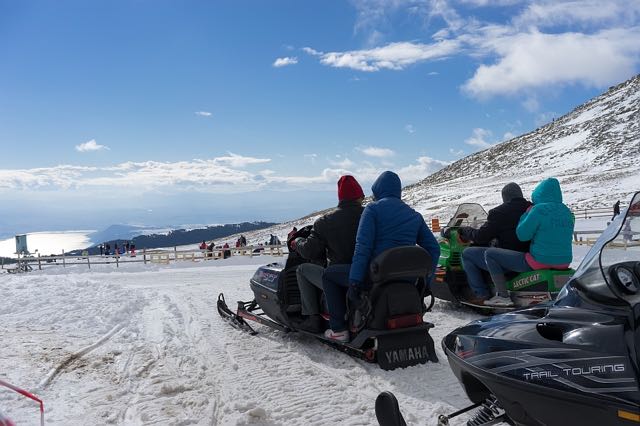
pixel 594 151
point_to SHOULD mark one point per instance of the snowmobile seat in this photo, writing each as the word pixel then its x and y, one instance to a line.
pixel 398 287
pixel 400 263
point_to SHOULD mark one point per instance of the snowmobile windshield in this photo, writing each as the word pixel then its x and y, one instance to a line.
pixel 469 214
pixel 610 272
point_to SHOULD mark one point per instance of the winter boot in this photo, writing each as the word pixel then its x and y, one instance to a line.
pixel 499 301
pixel 312 324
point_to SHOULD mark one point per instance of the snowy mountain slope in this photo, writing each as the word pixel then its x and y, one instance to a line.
pixel 594 151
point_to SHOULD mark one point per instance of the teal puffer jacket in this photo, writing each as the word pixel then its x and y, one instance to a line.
pixel 548 225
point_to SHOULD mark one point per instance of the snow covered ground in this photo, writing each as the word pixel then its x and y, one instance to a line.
pixel 145 345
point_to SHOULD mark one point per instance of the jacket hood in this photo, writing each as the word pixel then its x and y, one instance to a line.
pixel 387 185
pixel 547 191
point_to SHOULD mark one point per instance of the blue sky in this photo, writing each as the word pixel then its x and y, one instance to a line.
pixel 165 112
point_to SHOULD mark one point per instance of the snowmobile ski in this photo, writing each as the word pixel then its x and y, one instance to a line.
pixel 231 317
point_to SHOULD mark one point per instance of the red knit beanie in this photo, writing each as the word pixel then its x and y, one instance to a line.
pixel 349 188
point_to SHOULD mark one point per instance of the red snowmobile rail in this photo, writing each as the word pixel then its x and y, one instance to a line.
pixel 28 395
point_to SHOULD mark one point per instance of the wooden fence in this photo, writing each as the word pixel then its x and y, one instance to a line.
pixel 162 256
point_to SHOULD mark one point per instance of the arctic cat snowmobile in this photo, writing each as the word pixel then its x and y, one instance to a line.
pixel 525 289
pixel 387 327
pixel 575 361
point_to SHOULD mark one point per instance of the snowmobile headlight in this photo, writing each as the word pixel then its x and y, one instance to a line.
pixel 625 278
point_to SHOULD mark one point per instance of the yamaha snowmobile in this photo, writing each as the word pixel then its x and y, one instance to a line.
pixel 450 284
pixel 386 327
pixel 575 361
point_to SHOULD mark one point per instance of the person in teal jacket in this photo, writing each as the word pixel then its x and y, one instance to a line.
pixel 548 224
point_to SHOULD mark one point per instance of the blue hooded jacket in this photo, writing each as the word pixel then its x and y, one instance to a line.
pixel 386 223
pixel 548 225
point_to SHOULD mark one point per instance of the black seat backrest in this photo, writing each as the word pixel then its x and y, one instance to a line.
pixel 400 263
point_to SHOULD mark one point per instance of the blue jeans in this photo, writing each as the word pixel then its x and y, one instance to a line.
pixel 500 261
pixel 335 281
pixel 473 263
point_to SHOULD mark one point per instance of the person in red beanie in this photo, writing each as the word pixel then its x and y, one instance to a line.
pixel 332 241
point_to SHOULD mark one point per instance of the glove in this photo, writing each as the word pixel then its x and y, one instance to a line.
pixel 295 242
pixel 446 232
pixel 354 294
pixel 465 232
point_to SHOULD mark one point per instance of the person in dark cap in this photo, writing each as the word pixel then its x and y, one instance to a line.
pixel 332 241
pixel 498 231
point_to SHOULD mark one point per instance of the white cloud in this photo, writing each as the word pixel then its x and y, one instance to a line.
pixel 433 73
pixel 311 51
pixel 372 151
pixel 544 118
pixel 423 167
pixel 492 3
pixel 456 153
pixel 531 60
pixel 547 43
pixel 409 128
pixel 479 137
pixel 283 62
pixel 508 136
pixel 203 113
pixel 393 56
pixel 234 160
pixel 344 163
pixel 91 145
pixel 578 12
pixel 217 175
pixel 531 104
pixel 311 157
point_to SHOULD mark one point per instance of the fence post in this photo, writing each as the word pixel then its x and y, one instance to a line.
pixel 175 253
pixel 63 262
pixel 117 261
pixel 39 264
pixel 144 255
pixel 89 262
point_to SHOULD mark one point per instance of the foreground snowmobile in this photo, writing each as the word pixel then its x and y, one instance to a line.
pixel 450 284
pixel 387 327
pixel 575 361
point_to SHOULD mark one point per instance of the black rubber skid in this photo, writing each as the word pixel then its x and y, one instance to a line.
pixel 233 318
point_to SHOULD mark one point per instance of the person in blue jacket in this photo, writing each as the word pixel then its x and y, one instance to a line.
pixel 385 223
pixel 548 224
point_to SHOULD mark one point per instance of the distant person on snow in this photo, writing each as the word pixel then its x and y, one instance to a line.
pixel 548 224
pixel 274 240
pixel 226 252
pixel 499 231
pixel 386 223
pixel 243 241
pixel 332 241
pixel 616 209
pixel 203 245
